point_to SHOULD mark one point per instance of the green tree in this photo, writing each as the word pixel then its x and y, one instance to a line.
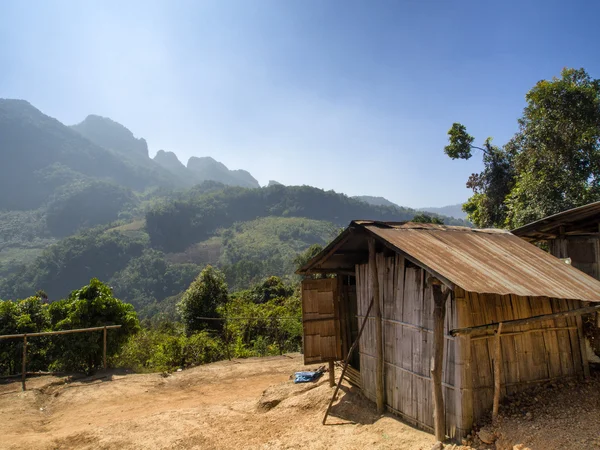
pixel 551 164
pixel 307 255
pixel 91 306
pixel 207 292
pixel 486 206
pixel 557 148
pixel 425 218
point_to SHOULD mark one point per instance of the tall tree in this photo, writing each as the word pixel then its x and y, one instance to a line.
pixel 485 208
pixel 551 164
pixel 557 149
pixel 201 300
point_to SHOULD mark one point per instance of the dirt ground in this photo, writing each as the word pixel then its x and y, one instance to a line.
pixel 253 404
pixel 217 406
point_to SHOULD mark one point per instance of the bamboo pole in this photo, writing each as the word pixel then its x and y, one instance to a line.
pixel 581 336
pixel 437 361
pixel 526 321
pixel 347 360
pixel 497 374
pixel 104 352
pixel 379 376
pixel 331 374
pixel 24 368
pixel 50 333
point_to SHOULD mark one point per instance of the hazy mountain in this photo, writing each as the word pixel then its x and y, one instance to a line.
pixel 274 183
pixel 112 135
pixel 207 168
pixel 450 211
pixel 38 154
pixel 376 201
pixel 170 162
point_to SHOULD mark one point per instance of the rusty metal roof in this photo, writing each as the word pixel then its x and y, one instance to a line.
pixel 576 221
pixel 478 260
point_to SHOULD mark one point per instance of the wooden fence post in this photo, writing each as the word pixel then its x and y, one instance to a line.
pixel 437 361
pixel 331 374
pixel 104 353
pixel 379 376
pixel 497 374
pixel 24 368
pixel 582 349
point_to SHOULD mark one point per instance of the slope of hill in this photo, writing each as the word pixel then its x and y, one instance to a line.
pixel 450 211
pixel 249 233
pixel 207 168
pixel 111 135
pixel 375 201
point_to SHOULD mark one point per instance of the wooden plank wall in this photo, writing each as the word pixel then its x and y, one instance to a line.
pixel 584 252
pixel 539 352
pixel 407 307
pixel 320 317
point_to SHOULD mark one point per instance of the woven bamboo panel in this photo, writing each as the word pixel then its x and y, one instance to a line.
pixel 407 307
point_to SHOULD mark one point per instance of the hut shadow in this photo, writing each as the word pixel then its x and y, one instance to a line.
pixel 353 408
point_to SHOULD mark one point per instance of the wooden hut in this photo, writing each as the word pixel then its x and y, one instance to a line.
pixel 462 317
pixel 573 234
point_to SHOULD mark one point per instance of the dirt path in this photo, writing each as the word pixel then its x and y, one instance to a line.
pixel 218 406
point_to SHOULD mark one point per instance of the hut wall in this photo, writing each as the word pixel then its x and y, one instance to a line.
pixel 584 252
pixel 534 353
pixel 407 313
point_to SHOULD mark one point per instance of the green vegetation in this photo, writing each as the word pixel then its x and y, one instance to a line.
pixel 93 305
pixel 550 165
pixel 264 320
pixel 175 225
pixel 200 302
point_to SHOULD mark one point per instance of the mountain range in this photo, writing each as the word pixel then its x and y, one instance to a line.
pixel 87 201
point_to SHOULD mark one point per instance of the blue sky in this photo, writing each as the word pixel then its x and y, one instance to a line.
pixel 355 96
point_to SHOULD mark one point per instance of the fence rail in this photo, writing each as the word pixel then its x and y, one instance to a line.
pixel 24 336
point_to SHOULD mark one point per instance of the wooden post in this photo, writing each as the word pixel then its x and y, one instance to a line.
pixel 331 374
pixel 437 361
pixel 581 336
pixel 104 353
pixel 497 374
pixel 24 368
pixel 379 376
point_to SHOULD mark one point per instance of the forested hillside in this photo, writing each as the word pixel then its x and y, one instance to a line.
pixel 96 205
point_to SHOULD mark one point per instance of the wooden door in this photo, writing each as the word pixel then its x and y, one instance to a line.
pixel 320 319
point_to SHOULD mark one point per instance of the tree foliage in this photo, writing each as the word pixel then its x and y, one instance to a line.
pixel 202 299
pixel 91 306
pixel 426 218
pixel 551 164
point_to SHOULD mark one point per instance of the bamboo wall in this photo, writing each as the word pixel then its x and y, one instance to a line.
pixel 534 353
pixel 407 307
pixel 538 352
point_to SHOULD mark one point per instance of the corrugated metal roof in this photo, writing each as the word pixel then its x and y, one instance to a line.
pixel 478 260
pixel 489 261
pixel 573 221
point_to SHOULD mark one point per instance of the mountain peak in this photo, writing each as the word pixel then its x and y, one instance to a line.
pixel 207 168
pixel 112 135
pixel 169 160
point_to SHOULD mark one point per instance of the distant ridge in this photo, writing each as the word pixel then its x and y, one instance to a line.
pixel 375 201
pixel 450 211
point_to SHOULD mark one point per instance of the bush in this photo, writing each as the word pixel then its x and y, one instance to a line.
pixel 154 350
pixel 91 306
